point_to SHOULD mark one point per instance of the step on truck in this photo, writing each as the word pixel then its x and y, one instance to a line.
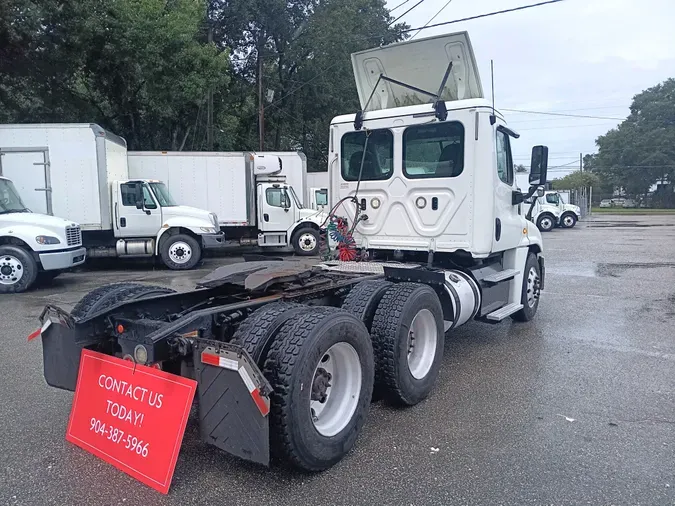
pixel 258 197
pixel 440 229
pixel 34 247
pixel 81 171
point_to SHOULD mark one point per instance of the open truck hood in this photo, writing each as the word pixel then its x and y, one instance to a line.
pixel 421 63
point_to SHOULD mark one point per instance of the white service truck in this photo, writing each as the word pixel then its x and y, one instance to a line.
pixel 427 177
pixel 81 171
pixel 34 247
pixel 257 197
pixel 551 211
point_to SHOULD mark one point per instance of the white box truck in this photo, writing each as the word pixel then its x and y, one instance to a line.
pixel 82 172
pixel 317 190
pixel 253 195
pixel 34 247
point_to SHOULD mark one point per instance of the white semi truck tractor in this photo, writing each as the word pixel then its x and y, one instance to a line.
pixel 287 354
pixel 34 247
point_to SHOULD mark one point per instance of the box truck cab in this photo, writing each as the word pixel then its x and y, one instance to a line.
pixel 257 197
pixel 33 246
pixel 551 211
pixel 81 171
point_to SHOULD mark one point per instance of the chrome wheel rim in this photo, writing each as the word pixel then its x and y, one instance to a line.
pixel 335 390
pixel 568 221
pixel 11 270
pixel 546 223
pixel 307 242
pixel 532 287
pixel 422 339
pixel 180 252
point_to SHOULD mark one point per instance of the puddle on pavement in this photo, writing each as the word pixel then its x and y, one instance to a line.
pixel 615 269
pixel 626 224
pixel 585 269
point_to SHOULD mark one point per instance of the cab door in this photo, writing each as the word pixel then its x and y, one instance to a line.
pixel 276 208
pixel 508 223
pixel 136 217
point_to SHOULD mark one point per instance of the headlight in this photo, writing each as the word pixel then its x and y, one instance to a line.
pixel 208 230
pixel 47 239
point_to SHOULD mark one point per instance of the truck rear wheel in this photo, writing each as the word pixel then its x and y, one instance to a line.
pixel 568 220
pixel 107 296
pixel 531 290
pixel 18 269
pixel 306 242
pixel 546 222
pixel 257 332
pixel 408 341
pixel 180 252
pixel 320 366
pixel 363 299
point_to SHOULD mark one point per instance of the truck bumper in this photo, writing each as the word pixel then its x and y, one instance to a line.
pixel 60 260
pixel 213 241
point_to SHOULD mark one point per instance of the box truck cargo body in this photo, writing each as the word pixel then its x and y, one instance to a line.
pixel 253 194
pixel 81 171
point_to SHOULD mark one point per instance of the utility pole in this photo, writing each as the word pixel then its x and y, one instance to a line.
pixel 209 107
pixel 261 104
pixel 581 162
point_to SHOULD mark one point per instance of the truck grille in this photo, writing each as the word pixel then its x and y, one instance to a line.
pixel 73 236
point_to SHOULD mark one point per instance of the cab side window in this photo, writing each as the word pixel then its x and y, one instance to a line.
pixel 277 197
pixel 504 158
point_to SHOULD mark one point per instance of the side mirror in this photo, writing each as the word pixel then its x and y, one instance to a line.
pixel 138 194
pixel 539 165
pixel 139 204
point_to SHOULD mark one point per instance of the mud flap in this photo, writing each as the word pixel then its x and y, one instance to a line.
pixel 233 401
pixel 60 350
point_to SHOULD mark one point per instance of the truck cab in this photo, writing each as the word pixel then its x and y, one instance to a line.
pixel 282 218
pixel 33 247
pixel 147 220
pixel 551 211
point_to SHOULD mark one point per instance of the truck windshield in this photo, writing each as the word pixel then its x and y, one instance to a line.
pixel 295 197
pixel 10 202
pixel 552 198
pixel 162 195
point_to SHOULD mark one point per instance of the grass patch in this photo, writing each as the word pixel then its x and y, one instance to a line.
pixel 621 210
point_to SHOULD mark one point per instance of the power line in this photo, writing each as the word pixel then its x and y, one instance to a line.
pixel 406 12
pixel 560 127
pixel 547 113
pixel 432 18
pixel 505 11
pixel 399 5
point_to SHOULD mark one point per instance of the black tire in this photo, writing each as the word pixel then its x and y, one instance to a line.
pixel 256 333
pixel 527 313
pixel 363 299
pixel 546 222
pixel 18 269
pixel 303 236
pixel 390 335
pixel 186 245
pixel 107 296
pixel 568 220
pixel 290 368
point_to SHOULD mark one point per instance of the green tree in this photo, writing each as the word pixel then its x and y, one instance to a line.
pixel 641 150
pixel 576 181
pixel 138 67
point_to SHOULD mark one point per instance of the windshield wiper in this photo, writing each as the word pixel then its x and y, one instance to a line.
pixel 9 211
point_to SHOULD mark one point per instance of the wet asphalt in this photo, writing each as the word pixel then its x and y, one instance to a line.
pixel 575 407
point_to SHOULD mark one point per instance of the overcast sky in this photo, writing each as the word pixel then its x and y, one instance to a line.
pixel 587 57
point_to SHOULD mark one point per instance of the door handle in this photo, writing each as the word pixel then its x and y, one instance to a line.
pixel 266 217
pixel 498 229
pixel 123 222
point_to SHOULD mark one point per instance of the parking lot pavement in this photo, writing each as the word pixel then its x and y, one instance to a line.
pixel 575 407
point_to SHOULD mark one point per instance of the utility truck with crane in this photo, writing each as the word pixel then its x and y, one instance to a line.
pixel 422 193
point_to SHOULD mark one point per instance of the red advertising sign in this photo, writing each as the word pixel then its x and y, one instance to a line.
pixel 131 416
